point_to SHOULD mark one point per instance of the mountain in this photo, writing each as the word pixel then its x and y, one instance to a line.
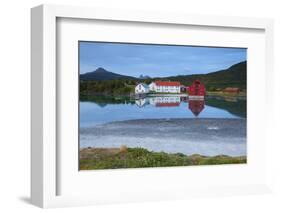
pixel 144 77
pixel 101 74
pixel 234 76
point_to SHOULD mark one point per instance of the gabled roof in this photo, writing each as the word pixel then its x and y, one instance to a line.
pixel 144 85
pixel 167 83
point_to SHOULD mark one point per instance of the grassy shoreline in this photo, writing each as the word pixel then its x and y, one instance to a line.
pixel 123 157
pixel 226 94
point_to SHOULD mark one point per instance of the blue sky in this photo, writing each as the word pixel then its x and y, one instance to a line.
pixel 156 60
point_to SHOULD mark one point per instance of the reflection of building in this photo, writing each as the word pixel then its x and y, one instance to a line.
pixel 184 99
pixel 142 88
pixel 164 100
pixel 196 106
pixel 142 102
pixel 230 99
pixel 165 86
pixel 234 90
pixel 176 104
pixel 196 90
pixel 167 101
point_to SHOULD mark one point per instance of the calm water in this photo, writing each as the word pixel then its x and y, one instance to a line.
pixel 101 111
pixel 213 126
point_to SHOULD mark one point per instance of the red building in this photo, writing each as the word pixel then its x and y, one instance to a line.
pixel 232 90
pixel 197 89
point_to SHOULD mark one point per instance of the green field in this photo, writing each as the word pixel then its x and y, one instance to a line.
pixel 123 157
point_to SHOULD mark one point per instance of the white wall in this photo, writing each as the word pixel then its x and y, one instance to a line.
pixel 15 98
pixel 170 89
pixel 152 86
pixel 141 89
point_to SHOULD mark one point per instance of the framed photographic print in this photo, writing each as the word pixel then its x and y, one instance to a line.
pixel 175 106
pixel 148 105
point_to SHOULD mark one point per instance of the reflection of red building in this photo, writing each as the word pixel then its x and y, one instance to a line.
pixel 176 104
pixel 196 106
pixel 196 89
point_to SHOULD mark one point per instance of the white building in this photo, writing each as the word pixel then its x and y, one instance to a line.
pixel 165 86
pixel 152 86
pixel 142 88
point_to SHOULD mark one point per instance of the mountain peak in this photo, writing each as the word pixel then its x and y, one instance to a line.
pixel 100 70
pixel 144 77
pixel 102 74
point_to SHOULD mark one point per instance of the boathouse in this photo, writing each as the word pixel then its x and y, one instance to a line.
pixel 196 90
pixel 234 90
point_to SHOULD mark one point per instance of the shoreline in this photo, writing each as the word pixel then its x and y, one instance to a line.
pixel 208 93
pixel 226 94
pixel 117 158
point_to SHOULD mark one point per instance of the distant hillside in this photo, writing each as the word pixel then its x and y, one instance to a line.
pixel 103 82
pixel 101 74
pixel 234 76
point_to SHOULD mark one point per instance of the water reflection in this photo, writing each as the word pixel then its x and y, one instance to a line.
pixel 95 109
pixel 107 121
pixel 167 101
pixel 235 105
pixel 196 106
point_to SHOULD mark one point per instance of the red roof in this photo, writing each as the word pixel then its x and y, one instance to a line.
pixel 167 104
pixel 167 83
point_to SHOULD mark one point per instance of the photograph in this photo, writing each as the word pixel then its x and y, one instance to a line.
pixel 161 105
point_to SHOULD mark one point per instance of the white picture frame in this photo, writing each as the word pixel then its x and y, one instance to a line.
pixel 44 117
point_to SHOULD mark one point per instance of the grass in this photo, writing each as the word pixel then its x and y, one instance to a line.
pixel 226 94
pixel 123 157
